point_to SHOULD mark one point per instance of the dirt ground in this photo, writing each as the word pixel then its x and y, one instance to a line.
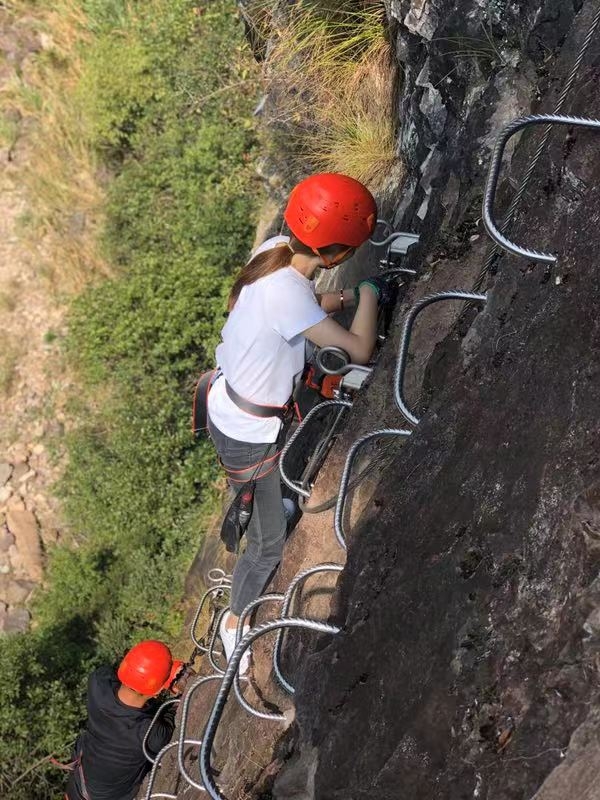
pixel 33 377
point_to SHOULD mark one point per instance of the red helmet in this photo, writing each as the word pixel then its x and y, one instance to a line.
pixel 330 209
pixel 147 668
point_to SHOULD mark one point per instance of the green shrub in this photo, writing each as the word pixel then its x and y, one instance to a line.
pixel 167 101
pixel 42 686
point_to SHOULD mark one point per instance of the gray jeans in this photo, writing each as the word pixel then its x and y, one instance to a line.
pixel 265 534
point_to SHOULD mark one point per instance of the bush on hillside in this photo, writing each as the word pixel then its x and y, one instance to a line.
pixel 170 115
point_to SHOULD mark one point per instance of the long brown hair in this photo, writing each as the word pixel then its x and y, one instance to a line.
pixel 270 261
pixel 262 264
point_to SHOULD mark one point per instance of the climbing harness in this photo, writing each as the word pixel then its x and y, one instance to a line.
pixel 200 403
pixel 257 409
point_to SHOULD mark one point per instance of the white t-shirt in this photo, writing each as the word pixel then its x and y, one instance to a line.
pixel 262 351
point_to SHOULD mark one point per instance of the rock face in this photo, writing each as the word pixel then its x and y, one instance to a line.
pixel 468 662
pixel 467 665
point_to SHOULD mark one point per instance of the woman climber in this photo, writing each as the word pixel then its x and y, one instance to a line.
pixel 273 311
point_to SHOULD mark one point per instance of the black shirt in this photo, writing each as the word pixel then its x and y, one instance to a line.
pixel 113 760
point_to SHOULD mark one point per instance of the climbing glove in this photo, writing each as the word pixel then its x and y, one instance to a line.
pixel 386 289
pixel 183 676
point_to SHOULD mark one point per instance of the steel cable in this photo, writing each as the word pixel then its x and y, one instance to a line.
pixel 294 485
pixel 159 711
pixel 494 170
pixel 213 640
pixel 516 201
pixel 156 765
pixel 214 590
pixel 265 598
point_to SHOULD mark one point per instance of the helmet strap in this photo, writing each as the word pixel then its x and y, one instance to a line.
pixel 329 263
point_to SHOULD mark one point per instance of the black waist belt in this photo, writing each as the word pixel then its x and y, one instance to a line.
pixel 264 412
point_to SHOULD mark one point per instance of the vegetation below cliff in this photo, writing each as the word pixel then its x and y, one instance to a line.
pixel 174 163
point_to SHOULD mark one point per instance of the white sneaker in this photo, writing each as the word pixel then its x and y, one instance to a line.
pixel 289 508
pixel 228 638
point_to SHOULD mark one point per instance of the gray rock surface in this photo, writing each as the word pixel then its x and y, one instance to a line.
pixel 468 662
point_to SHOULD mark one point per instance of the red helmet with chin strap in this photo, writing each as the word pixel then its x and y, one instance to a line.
pixel 148 668
pixel 330 208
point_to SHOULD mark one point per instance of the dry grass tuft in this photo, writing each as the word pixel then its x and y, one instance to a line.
pixel 332 79
pixel 60 170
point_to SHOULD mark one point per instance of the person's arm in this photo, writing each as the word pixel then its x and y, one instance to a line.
pixel 359 341
pixel 162 731
pixel 331 301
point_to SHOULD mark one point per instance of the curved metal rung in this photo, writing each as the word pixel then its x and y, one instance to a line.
pixel 234 662
pixel 341 500
pixel 285 610
pixel 346 367
pixel 214 590
pixel 163 796
pixel 387 226
pixel 294 485
pixel 405 341
pixel 182 741
pixel 492 179
pixel 159 711
pixel 402 239
pixel 219 577
pixel 256 712
pixel 155 766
